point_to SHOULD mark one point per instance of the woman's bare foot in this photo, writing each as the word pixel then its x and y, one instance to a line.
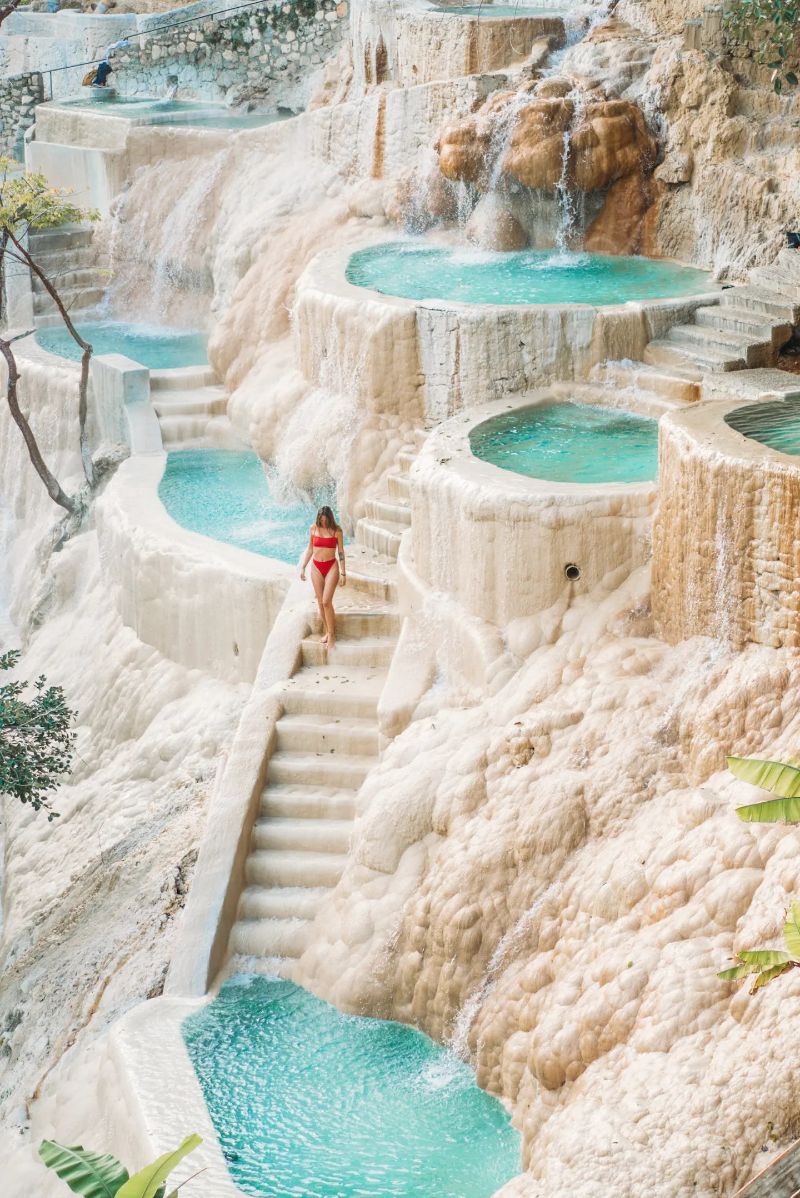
pixel 323 640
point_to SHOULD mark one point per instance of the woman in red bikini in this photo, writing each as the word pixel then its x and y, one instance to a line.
pixel 324 543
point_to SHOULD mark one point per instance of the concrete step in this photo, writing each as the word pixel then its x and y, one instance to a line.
pixel 202 401
pixel 71 298
pixel 782 281
pixel 405 460
pixel 385 510
pixel 398 486
pixel 304 835
pixel 291 801
pixel 81 278
pixel 279 868
pixel 338 770
pixel 269 937
pixel 183 378
pixel 669 353
pixel 369 575
pixel 369 651
pixel 281 902
pixel 175 430
pixel 375 622
pixel 676 384
pixel 740 320
pixel 753 351
pixel 320 734
pixel 64 238
pixel 51 317
pixel 326 690
pixel 381 536
pixel 756 299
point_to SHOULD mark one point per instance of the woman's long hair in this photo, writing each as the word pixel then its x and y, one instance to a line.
pixel 326 519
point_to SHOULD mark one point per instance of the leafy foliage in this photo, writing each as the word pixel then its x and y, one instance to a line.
pixel 763 965
pixel 27 201
pixel 36 738
pixel 778 777
pixel 772 29
pixel 96 1175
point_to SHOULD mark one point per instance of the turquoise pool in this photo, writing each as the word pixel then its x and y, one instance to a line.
pixel 414 271
pixel 152 111
pixel 498 10
pixel 226 494
pixel 150 345
pixel 310 1103
pixel 776 424
pixel 570 443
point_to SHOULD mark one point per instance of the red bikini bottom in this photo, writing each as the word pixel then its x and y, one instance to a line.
pixel 324 567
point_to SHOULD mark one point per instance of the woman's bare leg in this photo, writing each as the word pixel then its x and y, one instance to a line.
pixel 318 582
pixel 331 583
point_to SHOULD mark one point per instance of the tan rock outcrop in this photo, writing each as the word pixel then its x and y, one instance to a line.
pixel 493 226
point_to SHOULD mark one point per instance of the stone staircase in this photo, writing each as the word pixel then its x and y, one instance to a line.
pixel 326 742
pixel 744 331
pixel 187 401
pixel 68 258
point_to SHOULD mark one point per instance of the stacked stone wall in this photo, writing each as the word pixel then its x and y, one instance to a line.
pixel 264 53
pixel 19 95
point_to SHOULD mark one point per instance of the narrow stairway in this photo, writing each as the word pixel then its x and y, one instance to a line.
pixel 326 742
pixel 187 401
pixel 69 260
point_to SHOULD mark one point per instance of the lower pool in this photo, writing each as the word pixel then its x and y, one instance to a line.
pixel 153 346
pixel 226 494
pixel 775 424
pixel 414 271
pixel 310 1103
pixel 570 443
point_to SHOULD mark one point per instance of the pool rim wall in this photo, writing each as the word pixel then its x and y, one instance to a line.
pixel 604 524
pixel 444 356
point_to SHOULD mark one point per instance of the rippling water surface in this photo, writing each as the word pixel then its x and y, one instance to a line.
pixel 310 1103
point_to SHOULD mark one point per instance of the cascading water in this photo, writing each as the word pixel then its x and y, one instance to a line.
pixel 570 201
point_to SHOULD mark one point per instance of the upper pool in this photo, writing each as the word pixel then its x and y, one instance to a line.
pixel 414 271
pixel 776 424
pixel 226 494
pixel 152 111
pixel 499 10
pixel 570 443
pixel 310 1103
pixel 153 346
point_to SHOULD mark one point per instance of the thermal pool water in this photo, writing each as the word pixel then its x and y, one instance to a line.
pixel 499 10
pixel 152 111
pixel 226 494
pixel 570 442
pixel 776 425
pixel 310 1103
pixel 413 271
pixel 153 346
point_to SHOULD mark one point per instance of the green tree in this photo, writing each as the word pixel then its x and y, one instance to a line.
pixel 36 738
pixel 771 29
pixel 96 1175
pixel 27 202
pixel 780 778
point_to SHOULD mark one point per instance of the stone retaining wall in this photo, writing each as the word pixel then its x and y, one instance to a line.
pixel 19 95
pixel 264 53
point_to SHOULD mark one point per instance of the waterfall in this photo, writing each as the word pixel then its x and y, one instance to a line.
pixel 459 1041
pixel 570 202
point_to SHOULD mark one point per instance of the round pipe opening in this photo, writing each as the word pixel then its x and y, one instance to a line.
pixel 572 572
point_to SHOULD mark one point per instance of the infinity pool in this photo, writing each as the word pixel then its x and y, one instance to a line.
pixel 776 424
pixel 414 271
pixel 226 494
pixel 570 443
pixel 310 1103
pixel 153 346
pixel 152 111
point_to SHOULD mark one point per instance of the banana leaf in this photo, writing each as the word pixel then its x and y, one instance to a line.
pixel 778 777
pixel 92 1174
pixel 771 811
pixel 754 961
pixel 767 975
pixel 791 931
pixel 149 1181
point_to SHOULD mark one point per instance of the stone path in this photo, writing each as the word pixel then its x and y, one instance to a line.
pixel 69 260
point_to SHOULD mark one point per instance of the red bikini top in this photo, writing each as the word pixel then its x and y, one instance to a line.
pixel 324 542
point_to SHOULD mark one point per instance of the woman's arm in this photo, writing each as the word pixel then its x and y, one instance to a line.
pixel 342 566
pixel 307 555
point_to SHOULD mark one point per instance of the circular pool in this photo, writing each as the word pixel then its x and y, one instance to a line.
pixel 226 494
pixel 153 346
pixel 417 271
pixel 570 442
pixel 775 424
